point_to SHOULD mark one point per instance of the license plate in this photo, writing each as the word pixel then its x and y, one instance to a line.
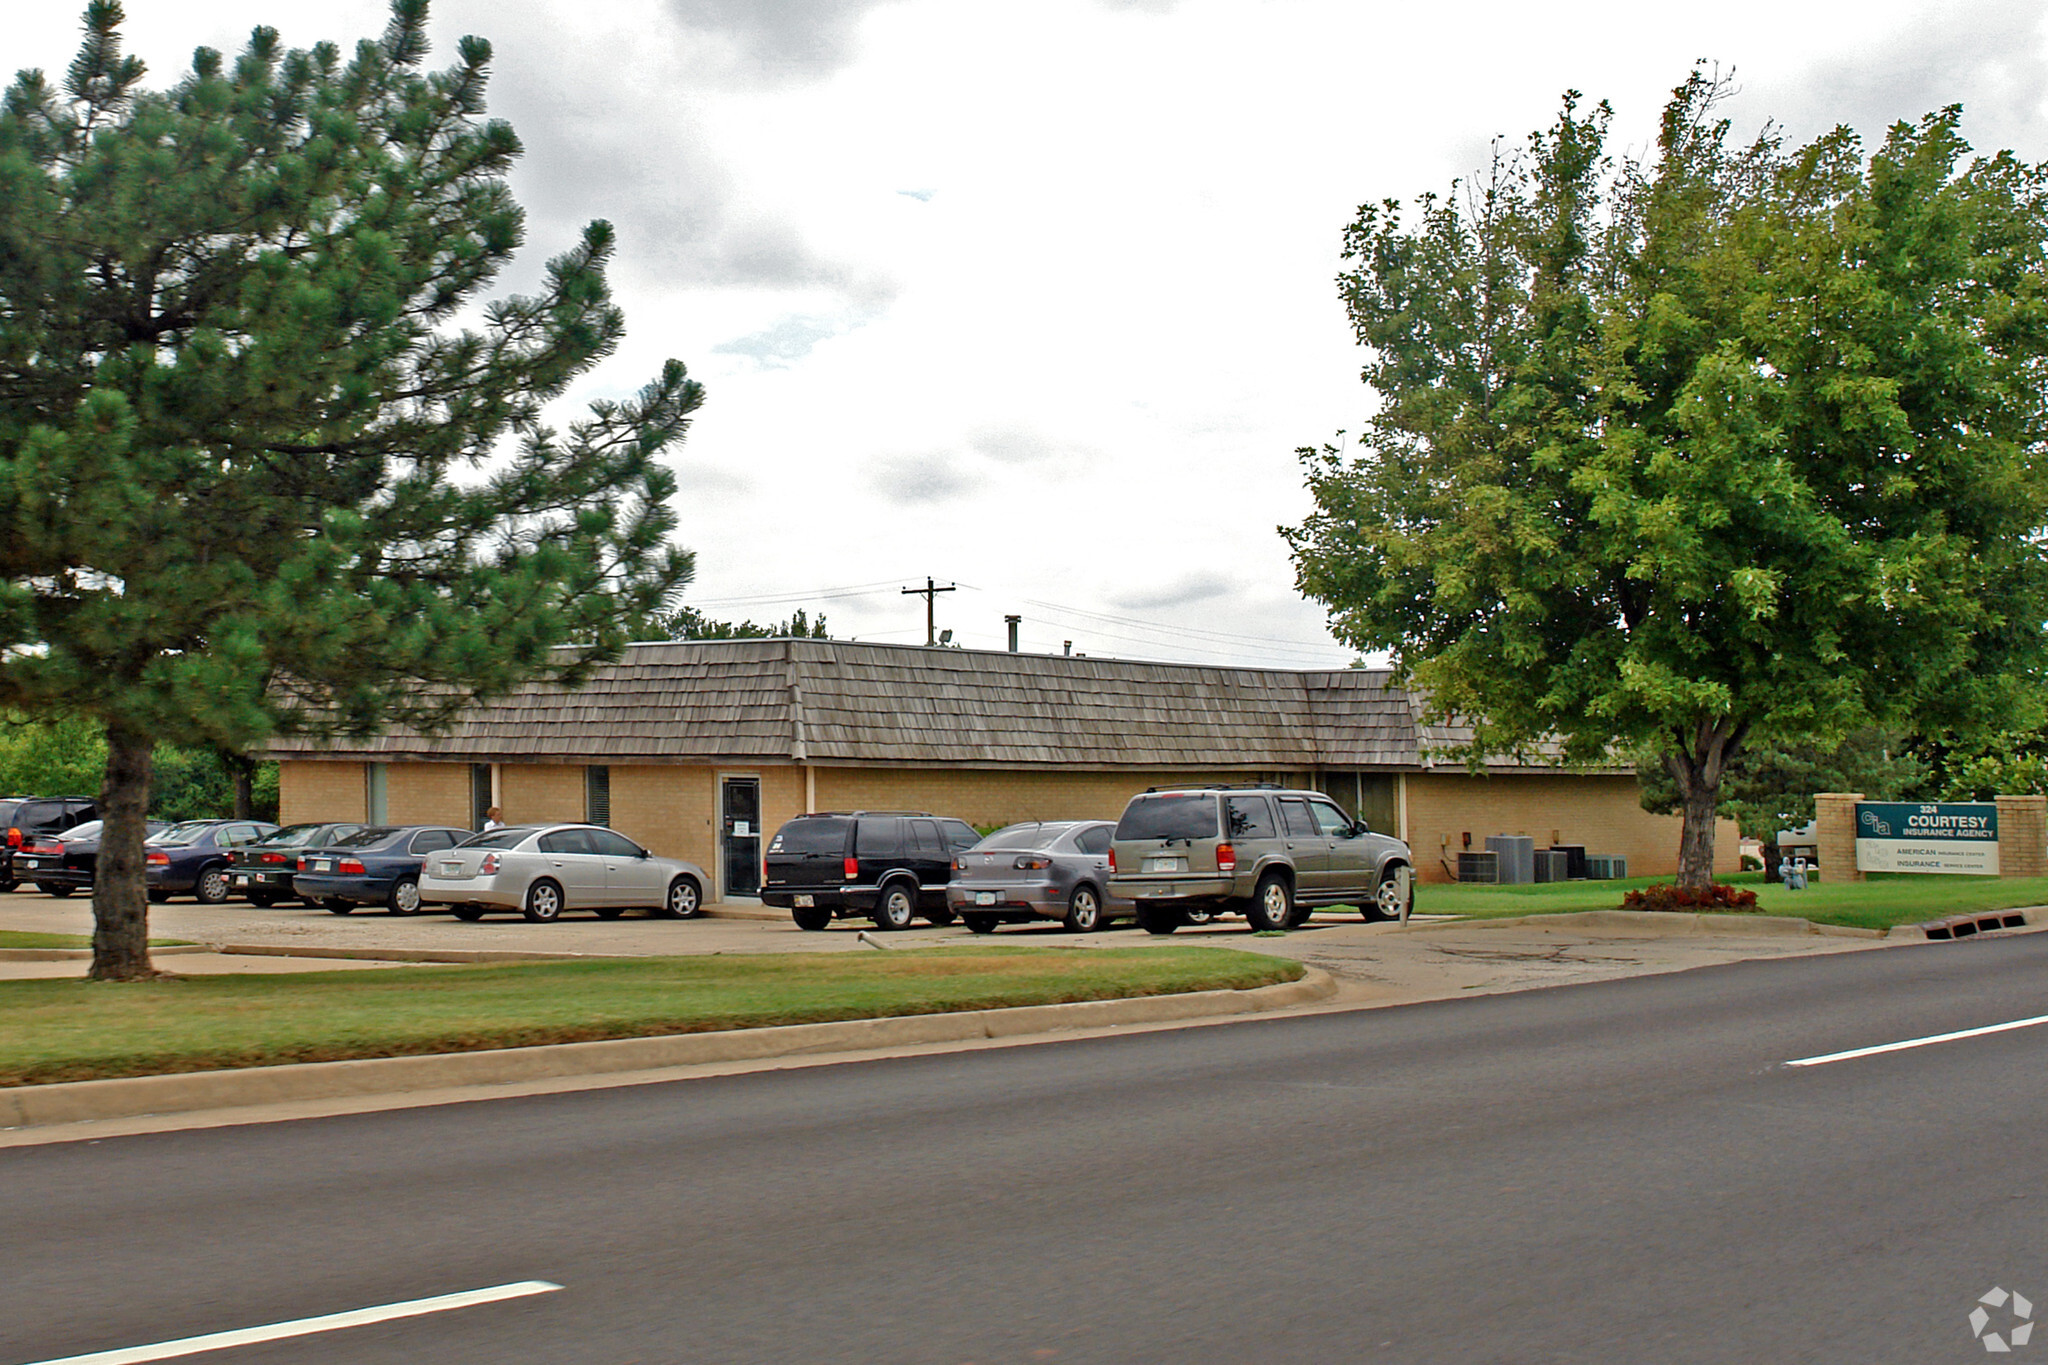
pixel 802 902
pixel 984 898
pixel 319 865
pixel 241 881
pixel 1166 864
pixel 30 862
pixel 451 869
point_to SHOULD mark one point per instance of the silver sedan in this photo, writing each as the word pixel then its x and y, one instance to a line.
pixel 1042 869
pixel 542 870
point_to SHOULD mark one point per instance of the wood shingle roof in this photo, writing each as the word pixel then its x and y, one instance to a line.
pixel 840 702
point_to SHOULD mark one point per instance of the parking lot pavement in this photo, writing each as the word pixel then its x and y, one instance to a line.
pixel 1373 963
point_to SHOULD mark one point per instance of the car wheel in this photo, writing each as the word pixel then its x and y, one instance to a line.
pixel 405 897
pixel 942 916
pixel 897 908
pixel 469 914
pixel 9 884
pixel 811 917
pixel 335 905
pixel 1155 919
pixel 1084 910
pixel 543 902
pixel 1386 899
pixel 684 901
pixel 980 924
pixel 262 900
pixel 51 889
pixel 1198 916
pixel 1272 904
pixel 610 911
pixel 156 896
pixel 212 886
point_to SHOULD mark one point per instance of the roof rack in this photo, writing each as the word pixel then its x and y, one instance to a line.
pixel 1223 787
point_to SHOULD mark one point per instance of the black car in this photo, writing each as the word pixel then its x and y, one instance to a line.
pixel 377 865
pixel 65 863
pixel 888 865
pixel 263 871
pixel 27 819
pixel 193 856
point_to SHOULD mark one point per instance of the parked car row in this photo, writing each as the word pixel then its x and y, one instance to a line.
pixel 1179 855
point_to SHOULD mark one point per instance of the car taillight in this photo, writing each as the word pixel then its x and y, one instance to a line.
pixel 14 838
pixel 157 859
pixel 852 869
pixel 51 849
pixel 274 858
pixel 349 867
pixel 1112 860
pixel 1032 864
pixel 1226 858
pixel 488 866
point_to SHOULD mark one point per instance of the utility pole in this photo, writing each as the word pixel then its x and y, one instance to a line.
pixel 930 593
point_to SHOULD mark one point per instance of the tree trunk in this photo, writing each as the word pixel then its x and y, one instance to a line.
pixel 1697 760
pixel 120 903
pixel 243 769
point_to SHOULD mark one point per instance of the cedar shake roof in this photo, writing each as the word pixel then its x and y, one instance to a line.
pixel 839 702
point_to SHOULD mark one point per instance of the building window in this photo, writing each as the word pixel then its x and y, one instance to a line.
pixel 597 795
pixel 480 801
pixel 375 787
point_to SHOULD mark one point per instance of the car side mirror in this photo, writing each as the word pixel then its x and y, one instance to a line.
pixel 645 854
pixel 1359 827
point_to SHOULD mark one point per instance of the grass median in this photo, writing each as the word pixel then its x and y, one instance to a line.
pixel 29 938
pixel 75 1030
pixel 1880 901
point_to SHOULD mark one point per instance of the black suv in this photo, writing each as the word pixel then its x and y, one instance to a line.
pixel 889 865
pixel 26 819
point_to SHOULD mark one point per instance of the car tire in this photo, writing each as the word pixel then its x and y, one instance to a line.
pixel 1272 904
pixel 1386 899
pixel 897 906
pixel 811 918
pixel 262 900
pixel 469 914
pixel 543 902
pixel 942 916
pixel 1197 916
pixel 979 924
pixel 335 905
pixel 1084 910
pixel 9 884
pixel 685 899
pixel 156 897
pixel 211 888
pixel 405 897
pixel 51 889
pixel 1154 919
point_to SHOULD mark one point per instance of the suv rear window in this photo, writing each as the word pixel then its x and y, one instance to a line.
pixel 1190 815
pixel 801 837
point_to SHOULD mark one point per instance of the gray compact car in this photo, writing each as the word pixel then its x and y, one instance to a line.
pixel 1273 853
pixel 1052 869
pixel 543 870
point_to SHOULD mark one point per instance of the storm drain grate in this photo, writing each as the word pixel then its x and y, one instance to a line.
pixel 1968 926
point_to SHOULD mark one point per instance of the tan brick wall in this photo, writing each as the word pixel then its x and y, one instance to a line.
pixel 669 809
pixel 534 793
pixel 427 794
pixel 1834 835
pixel 2022 836
pixel 309 791
pixel 1603 813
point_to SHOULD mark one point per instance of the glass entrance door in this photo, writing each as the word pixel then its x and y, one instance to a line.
pixel 739 800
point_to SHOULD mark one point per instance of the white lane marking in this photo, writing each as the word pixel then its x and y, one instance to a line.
pixel 1854 1053
pixel 332 1322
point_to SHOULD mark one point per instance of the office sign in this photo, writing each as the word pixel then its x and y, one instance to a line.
pixel 1900 836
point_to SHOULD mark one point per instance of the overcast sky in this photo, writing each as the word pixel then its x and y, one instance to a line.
pixel 1035 296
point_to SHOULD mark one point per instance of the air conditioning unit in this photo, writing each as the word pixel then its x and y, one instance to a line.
pixel 1517 857
pixel 1553 866
pixel 1601 867
pixel 1478 867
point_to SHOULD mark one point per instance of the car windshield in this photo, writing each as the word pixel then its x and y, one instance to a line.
pixel 1181 815
pixel 368 838
pixel 511 836
pixel 291 836
pixel 1031 835
pixel 89 830
pixel 811 836
pixel 187 833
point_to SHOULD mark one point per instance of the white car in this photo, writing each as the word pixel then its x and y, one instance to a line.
pixel 542 870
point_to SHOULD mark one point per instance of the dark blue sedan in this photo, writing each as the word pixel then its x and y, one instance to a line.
pixel 378 865
pixel 193 856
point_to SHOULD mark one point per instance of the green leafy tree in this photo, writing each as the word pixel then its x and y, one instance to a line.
pixel 688 623
pixel 260 471
pixel 1769 786
pixel 1730 444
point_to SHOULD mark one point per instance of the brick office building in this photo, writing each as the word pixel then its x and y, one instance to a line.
pixel 695 748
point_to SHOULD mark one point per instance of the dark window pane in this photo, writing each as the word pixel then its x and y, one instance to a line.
pixel 1250 817
pixel 815 837
pixel 1188 816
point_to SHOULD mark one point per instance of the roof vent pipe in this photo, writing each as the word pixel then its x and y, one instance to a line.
pixel 1013 622
pixel 1070 646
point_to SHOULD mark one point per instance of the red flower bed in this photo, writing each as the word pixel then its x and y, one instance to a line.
pixel 1713 896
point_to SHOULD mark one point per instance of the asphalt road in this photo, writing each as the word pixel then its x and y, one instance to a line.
pixel 1618 1172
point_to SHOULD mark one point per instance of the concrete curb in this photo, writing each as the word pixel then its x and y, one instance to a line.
pixel 31 1106
pixel 1657 922
pixel 453 955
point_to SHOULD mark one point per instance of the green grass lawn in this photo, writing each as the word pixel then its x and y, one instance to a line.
pixel 76 1030
pixel 26 938
pixel 1880 901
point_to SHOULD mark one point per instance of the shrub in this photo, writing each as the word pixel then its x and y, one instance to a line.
pixel 1713 896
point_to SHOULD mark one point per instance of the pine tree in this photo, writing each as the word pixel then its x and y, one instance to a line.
pixel 259 470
